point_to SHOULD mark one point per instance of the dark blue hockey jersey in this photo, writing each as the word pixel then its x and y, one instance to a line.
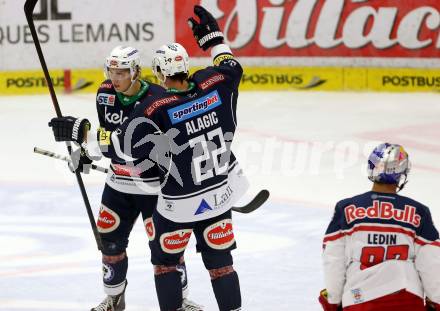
pixel 113 109
pixel 377 244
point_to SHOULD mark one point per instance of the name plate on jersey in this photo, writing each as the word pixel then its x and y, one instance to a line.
pixel 194 108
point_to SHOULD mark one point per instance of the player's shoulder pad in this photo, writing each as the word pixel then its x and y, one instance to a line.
pixel 339 211
pixel 419 206
pixel 106 95
pixel 345 202
pixel 153 103
pixel 106 87
pixel 155 89
pixel 207 78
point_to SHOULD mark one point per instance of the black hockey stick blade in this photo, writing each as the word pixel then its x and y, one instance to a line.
pixel 259 200
pixel 29 7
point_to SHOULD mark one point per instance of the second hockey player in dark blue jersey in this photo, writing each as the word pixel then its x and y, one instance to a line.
pixel 188 132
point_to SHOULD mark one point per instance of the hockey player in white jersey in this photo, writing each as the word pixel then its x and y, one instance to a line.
pixel 381 249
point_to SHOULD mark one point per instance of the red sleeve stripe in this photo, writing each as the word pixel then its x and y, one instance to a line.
pixel 334 236
pixel 425 241
pixel 421 242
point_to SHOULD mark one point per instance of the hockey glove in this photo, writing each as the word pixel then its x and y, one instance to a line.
pixel 326 306
pixel 207 32
pixel 80 161
pixel 69 129
pixel 431 306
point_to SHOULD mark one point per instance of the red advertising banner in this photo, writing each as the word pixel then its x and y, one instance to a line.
pixel 324 28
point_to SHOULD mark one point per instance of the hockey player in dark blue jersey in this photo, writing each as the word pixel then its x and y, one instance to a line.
pixel 381 249
pixel 122 201
pixel 187 132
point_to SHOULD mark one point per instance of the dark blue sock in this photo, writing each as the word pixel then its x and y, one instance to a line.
pixel 114 276
pixel 169 291
pixel 227 292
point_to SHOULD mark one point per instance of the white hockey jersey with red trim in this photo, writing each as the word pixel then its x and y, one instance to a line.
pixel 377 244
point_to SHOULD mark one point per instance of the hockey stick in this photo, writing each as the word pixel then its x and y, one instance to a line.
pixel 54 155
pixel 256 202
pixel 29 7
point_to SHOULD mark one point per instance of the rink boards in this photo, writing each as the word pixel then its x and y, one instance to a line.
pixel 339 45
pixel 254 79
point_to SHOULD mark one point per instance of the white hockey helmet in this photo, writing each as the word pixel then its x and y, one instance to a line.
pixel 123 57
pixel 389 164
pixel 169 60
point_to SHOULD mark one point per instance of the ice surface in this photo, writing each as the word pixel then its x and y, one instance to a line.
pixel 308 149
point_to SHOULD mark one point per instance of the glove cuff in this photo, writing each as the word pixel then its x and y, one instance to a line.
pixel 78 129
pixel 210 36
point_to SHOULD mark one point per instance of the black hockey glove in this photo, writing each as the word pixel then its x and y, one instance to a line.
pixel 69 129
pixel 80 161
pixel 207 33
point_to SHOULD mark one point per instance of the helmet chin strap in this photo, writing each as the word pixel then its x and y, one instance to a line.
pixel 162 78
pixel 130 87
pixel 402 185
pixel 134 78
pixel 163 82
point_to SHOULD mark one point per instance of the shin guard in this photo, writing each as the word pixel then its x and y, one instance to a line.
pixel 114 275
pixel 168 288
pixel 227 291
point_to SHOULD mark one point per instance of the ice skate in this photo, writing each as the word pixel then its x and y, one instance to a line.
pixel 188 305
pixel 113 303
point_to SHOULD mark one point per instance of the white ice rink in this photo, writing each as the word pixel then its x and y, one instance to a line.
pixel 308 149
